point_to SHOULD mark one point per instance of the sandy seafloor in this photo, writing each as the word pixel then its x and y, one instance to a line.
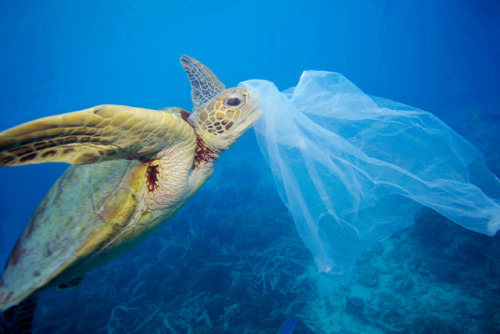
pixel 231 261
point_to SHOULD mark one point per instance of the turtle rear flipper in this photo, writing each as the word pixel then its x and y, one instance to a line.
pixel 18 319
pixel 98 134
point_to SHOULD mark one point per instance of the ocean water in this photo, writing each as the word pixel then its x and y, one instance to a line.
pixel 231 261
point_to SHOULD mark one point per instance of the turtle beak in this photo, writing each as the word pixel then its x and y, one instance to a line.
pixel 253 113
pixel 247 120
pixel 254 116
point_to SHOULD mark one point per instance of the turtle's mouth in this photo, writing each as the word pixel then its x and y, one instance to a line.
pixel 247 119
pixel 253 114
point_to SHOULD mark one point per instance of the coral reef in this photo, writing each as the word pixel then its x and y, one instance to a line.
pixel 430 325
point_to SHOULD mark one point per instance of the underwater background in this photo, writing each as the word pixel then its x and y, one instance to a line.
pixel 231 261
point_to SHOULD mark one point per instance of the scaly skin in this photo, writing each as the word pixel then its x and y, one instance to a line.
pixel 135 168
pixel 92 214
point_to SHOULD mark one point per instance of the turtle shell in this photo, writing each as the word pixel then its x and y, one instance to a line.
pixel 75 228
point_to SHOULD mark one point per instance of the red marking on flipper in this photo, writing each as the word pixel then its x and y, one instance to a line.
pixel 203 153
pixel 152 177
pixel 185 115
pixel 17 253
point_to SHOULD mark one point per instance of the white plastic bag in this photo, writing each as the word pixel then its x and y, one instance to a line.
pixel 353 169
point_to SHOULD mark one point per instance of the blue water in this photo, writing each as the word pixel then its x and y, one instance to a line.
pixel 231 261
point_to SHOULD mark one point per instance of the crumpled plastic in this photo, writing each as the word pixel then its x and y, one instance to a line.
pixel 354 169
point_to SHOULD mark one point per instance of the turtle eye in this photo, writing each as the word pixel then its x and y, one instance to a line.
pixel 233 102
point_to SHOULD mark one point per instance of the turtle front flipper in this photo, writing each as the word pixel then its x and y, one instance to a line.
pixel 204 84
pixel 98 134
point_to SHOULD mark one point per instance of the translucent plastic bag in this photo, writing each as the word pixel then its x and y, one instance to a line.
pixel 354 169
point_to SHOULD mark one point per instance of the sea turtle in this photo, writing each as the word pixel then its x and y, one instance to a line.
pixel 133 169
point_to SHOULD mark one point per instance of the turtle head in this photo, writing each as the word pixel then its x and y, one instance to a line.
pixel 225 118
pixel 220 116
